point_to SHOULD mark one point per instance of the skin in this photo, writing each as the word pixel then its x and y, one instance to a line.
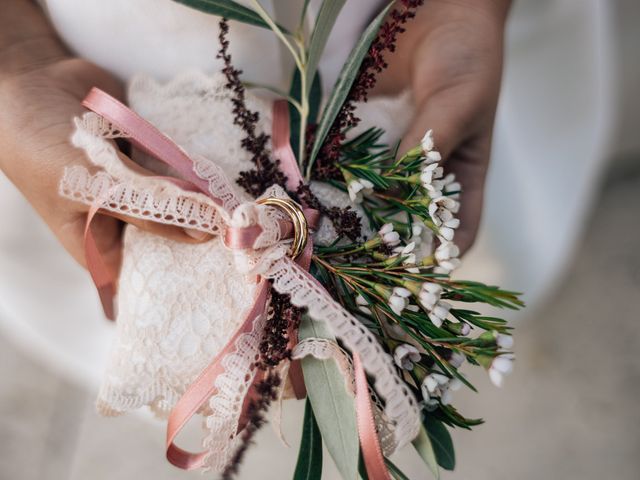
pixel 451 59
pixel 450 56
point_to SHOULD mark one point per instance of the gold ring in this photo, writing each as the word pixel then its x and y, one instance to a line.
pixel 299 221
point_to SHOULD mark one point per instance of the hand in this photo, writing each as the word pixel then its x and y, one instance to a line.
pixel 41 87
pixel 451 58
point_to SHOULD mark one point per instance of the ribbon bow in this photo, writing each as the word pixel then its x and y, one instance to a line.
pixel 259 234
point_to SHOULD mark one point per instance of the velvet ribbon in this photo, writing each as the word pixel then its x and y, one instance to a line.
pixel 150 140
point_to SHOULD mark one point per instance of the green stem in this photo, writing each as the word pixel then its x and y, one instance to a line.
pixel 300 60
pixel 279 33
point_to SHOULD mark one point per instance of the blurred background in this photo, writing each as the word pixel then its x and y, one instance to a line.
pixel 562 223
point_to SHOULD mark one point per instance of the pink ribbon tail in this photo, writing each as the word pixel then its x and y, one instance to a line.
pixel 204 387
pixel 103 278
pixel 369 442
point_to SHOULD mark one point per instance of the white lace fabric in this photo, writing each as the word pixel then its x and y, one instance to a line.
pixel 179 304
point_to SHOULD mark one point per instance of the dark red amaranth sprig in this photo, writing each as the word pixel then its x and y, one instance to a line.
pixel 346 221
pixel 274 348
pixel 266 171
pixel 267 392
pixel 374 62
pixel 282 315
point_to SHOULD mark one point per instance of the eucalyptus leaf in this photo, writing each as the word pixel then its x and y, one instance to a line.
pixel 441 441
pixel 345 81
pixel 332 403
pixel 395 471
pixel 422 443
pixel 324 24
pixel 227 9
pixel 309 465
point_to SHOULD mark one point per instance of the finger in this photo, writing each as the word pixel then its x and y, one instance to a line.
pixel 442 114
pixel 471 175
pixel 465 154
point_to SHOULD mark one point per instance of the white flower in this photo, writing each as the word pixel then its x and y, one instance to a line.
pixel 433 156
pixel 446 251
pixel 363 305
pixel 357 187
pixel 406 356
pixel 389 236
pixel 446 233
pixel 441 209
pixel 429 179
pixel 429 172
pixel 429 295
pixel 451 187
pixel 447 266
pixel 399 299
pixel 457 359
pixel 465 329
pixel 417 227
pixel 500 366
pixel 504 341
pixel 445 396
pixel 439 385
pixel 439 313
pixel 406 252
pixel 433 382
pixel 446 256
pixel 427 141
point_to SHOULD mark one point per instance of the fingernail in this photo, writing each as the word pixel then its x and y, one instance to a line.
pixel 196 234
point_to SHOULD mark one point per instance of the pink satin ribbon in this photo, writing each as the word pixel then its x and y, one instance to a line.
pixel 369 443
pixel 151 140
pixel 102 276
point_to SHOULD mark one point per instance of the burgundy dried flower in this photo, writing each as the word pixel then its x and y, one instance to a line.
pixel 373 63
pixel 266 171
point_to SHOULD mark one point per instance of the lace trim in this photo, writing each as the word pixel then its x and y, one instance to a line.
pixel 158 201
pixel 219 184
pixel 401 406
pixel 226 404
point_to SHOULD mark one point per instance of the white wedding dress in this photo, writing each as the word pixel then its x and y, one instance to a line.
pixel 549 148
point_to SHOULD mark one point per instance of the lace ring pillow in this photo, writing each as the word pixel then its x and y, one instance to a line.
pixel 174 313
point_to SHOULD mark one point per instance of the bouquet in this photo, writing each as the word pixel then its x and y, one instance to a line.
pixel 329 274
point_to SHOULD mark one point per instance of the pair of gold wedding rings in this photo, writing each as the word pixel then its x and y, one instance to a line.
pixel 298 219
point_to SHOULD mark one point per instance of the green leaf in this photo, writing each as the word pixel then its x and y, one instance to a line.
pixel 395 471
pixel 227 9
pixel 309 466
pixel 422 443
pixel 441 441
pixel 324 24
pixel 345 81
pixel 332 403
